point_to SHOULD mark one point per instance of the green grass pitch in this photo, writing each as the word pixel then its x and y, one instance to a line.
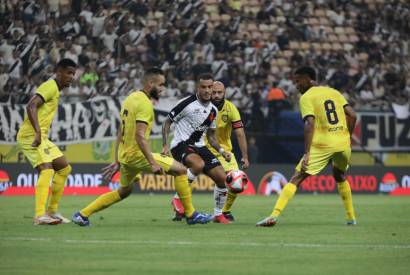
pixel 137 236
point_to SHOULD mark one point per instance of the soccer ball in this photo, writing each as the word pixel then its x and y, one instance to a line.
pixel 236 181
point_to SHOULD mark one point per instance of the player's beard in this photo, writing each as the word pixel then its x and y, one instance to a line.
pixel 154 93
pixel 218 103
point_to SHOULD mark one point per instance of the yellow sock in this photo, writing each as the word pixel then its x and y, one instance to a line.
pixel 101 203
pixel 346 195
pixel 43 183
pixel 229 201
pixel 287 193
pixel 185 194
pixel 57 188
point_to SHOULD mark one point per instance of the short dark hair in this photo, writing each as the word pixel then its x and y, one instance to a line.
pixel 66 62
pixel 151 72
pixel 154 70
pixel 205 76
pixel 307 71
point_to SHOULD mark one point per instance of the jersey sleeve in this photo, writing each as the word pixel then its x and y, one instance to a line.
pixel 47 91
pixel 176 113
pixel 235 118
pixel 306 107
pixel 179 110
pixel 343 100
pixel 143 113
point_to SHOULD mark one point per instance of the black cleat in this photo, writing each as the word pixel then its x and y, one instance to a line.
pixel 228 216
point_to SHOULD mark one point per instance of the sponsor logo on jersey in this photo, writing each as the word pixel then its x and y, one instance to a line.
pixel 199 128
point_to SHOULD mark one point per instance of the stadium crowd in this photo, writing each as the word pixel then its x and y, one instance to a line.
pixel 359 47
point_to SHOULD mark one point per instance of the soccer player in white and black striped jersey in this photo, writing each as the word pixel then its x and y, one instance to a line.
pixel 194 117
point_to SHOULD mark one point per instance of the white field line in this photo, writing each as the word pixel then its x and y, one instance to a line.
pixel 193 243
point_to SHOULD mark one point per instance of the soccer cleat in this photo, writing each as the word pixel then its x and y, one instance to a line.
pixel 221 219
pixel 60 217
pixel 198 217
pixel 351 222
pixel 178 217
pixel 80 220
pixel 177 205
pixel 267 222
pixel 178 208
pixel 228 215
pixel 46 220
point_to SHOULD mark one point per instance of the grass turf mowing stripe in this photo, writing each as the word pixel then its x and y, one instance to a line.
pixel 188 243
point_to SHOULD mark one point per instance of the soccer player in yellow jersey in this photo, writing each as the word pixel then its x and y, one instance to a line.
pixel 228 120
pixel 133 154
pixel 43 155
pixel 329 122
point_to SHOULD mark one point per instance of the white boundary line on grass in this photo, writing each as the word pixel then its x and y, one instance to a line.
pixel 193 243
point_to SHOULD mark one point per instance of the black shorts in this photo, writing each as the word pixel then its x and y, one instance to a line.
pixel 182 150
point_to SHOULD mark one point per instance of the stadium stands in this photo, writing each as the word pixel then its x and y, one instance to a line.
pixel 360 47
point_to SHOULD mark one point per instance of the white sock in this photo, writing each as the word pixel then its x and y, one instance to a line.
pixel 191 176
pixel 220 198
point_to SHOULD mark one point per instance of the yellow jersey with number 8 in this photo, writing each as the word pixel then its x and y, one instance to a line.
pixel 326 105
pixel 50 93
pixel 137 107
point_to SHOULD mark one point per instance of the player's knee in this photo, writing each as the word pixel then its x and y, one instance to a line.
pixel 179 170
pixel 125 191
pixel 298 178
pixel 338 175
pixel 65 171
pixel 198 167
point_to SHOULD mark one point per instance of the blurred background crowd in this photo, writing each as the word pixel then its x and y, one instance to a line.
pixel 360 47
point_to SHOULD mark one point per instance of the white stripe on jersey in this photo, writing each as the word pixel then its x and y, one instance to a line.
pixel 192 120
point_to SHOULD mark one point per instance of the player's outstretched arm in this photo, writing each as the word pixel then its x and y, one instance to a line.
pixel 213 140
pixel 166 127
pixel 350 118
pixel 308 131
pixel 32 112
pixel 144 146
pixel 243 146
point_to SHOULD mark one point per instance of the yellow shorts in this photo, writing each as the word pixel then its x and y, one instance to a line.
pixel 319 159
pixel 46 152
pixel 131 171
pixel 228 166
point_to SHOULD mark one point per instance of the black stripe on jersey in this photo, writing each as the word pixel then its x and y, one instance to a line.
pixel 197 134
pixel 41 97
pixel 347 104
pixel 181 106
pixel 305 117
pixel 141 121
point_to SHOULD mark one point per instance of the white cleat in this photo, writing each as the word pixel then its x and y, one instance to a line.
pixel 267 222
pixel 60 217
pixel 46 220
